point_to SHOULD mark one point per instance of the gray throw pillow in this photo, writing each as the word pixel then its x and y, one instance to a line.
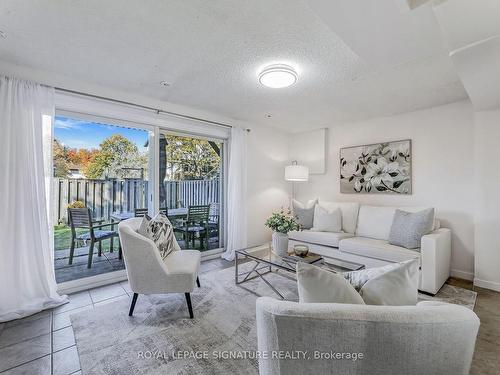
pixel 304 213
pixel 305 217
pixel 408 227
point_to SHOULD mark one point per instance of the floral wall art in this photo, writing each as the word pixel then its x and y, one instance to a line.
pixel 382 168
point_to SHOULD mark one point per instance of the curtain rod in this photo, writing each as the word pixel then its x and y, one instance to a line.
pixel 158 111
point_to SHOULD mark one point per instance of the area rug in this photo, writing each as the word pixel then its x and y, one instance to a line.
pixel 161 339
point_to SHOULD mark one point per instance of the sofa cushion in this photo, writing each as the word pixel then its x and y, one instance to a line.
pixel 349 213
pixel 318 238
pixel 378 249
pixel 326 220
pixel 376 221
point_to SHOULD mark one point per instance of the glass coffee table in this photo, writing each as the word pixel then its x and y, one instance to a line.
pixel 266 261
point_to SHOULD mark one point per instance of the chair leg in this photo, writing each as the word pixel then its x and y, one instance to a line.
pixel 198 282
pixel 72 250
pixel 111 244
pixel 99 247
pixel 120 255
pixel 190 307
pixel 91 253
pixel 132 306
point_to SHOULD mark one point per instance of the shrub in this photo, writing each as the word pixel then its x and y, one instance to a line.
pixel 76 204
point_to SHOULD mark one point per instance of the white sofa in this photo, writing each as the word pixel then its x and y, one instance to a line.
pixel 429 338
pixel 364 240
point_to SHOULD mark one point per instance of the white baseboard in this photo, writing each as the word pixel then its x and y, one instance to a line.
pixel 211 254
pixel 487 284
pixel 86 283
pixel 462 275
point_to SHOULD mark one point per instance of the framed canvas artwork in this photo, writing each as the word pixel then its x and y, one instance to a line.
pixel 381 168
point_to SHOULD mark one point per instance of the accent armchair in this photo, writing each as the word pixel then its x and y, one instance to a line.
pixel 148 273
pixel 429 338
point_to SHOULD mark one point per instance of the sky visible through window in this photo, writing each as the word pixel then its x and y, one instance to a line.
pixel 74 133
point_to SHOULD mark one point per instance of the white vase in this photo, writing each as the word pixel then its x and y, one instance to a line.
pixel 280 243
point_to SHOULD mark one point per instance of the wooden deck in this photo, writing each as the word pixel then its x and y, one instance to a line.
pixel 107 262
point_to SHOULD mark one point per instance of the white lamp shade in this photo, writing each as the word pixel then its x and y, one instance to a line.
pixel 296 173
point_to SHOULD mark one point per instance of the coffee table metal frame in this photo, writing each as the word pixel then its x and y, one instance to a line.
pixel 263 266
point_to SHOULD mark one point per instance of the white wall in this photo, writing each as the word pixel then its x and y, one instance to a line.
pixel 267 189
pixel 443 169
pixel 487 178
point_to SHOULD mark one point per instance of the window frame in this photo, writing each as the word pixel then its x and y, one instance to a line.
pixel 113 113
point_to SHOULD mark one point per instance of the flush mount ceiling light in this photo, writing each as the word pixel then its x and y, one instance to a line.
pixel 278 76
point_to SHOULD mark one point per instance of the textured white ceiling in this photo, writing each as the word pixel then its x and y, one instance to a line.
pixel 471 30
pixel 356 58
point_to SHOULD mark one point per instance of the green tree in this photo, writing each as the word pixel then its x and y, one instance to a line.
pixel 60 156
pixel 116 153
pixel 192 159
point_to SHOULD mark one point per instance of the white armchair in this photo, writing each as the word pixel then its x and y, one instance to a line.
pixel 430 338
pixel 148 273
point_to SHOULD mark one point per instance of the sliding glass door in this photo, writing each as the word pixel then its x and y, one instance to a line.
pixel 100 167
pixel 104 171
pixel 191 189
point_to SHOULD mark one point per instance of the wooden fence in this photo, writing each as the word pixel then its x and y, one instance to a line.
pixel 104 197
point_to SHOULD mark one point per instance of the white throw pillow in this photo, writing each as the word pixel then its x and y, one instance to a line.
pixel 393 285
pixel 327 221
pixel 317 285
pixel 349 213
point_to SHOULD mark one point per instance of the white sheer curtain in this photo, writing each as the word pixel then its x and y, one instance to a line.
pixel 27 281
pixel 236 193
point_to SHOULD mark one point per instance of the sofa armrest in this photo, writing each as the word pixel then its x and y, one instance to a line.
pixel 435 249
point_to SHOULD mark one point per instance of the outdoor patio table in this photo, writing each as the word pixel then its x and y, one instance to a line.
pixel 175 213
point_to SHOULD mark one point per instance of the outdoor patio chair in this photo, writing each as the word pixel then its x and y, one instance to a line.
pixel 195 224
pixel 213 221
pixel 140 212
pixel 82 218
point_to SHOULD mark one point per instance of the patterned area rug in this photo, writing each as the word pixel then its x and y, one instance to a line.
pixel 161 339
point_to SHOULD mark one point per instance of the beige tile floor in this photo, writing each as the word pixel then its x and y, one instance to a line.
pixel 44 344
